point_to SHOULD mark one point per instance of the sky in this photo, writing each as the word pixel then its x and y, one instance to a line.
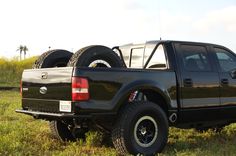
pixel 73 24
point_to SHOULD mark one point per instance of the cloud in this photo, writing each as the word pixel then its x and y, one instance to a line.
pixel 223 19
pixel 214 21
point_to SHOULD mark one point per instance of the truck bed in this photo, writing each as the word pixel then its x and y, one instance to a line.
pixel 107 88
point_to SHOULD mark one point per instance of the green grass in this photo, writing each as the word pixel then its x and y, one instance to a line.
pixel 22 135
pixel 11 71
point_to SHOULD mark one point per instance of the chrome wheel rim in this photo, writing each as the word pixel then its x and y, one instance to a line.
pixel 145 131
pixel 99 63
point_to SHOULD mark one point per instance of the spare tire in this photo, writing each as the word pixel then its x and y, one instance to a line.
pixel 53 58
pixel 50 59
pixel 96 56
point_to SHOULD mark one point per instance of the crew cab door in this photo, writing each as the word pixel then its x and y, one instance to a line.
pixel 226 63
pixel 199 84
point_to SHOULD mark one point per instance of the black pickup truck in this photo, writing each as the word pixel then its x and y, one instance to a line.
pixel 166 83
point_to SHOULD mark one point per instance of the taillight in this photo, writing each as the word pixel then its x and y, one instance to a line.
pixel 80 89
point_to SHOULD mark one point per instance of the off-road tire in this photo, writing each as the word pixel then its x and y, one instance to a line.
pixel 123 134
pixel 53 58
pixel 61 131
pixel 87 55
pixel 64 132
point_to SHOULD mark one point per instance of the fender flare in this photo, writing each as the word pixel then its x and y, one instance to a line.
pixel 126 90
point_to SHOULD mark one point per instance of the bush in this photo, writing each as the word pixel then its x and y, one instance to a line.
pixel 11 70
pixel 94 138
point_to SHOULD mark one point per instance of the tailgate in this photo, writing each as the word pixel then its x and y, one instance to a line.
pixel 46 89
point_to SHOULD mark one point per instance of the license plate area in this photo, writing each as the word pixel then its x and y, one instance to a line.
pixel 65 106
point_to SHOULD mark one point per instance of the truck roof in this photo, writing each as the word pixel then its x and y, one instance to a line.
pixel 166 41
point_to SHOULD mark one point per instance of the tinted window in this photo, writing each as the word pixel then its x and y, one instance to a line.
pixel 195 58
pixel 227 61
pixel 158 59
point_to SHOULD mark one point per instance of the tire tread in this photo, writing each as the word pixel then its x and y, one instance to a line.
pixel 118 132
pixel 38 63
pixel 52 126
pixel 75 58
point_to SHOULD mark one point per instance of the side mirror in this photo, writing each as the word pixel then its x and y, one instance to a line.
pixel 233 73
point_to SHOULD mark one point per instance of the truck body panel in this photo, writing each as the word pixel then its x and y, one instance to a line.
pixel 107 94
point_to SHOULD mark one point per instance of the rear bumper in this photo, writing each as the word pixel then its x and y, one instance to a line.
pixel 51 116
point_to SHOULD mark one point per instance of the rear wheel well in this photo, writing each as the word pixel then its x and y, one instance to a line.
pixel 156 98
pixel 152 96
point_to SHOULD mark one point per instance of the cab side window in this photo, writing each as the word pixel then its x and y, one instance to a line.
pixel 227 60
pixel 158 60
pixel 136 60
pixel 195 58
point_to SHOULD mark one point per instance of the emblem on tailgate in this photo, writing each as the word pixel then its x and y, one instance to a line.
pixel 43 90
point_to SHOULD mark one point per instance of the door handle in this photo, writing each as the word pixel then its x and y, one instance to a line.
pixel 224 81
pixel 188 82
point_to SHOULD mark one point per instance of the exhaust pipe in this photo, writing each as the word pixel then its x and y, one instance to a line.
pixel 173 117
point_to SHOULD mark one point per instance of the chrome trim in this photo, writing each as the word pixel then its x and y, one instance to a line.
pixel 34 113
pixel 43 90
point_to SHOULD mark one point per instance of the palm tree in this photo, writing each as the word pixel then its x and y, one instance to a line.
pixel 25 49
pixel 20 48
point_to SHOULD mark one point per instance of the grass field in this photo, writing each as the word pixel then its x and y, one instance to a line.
pixel 11 70
pixel 22 135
